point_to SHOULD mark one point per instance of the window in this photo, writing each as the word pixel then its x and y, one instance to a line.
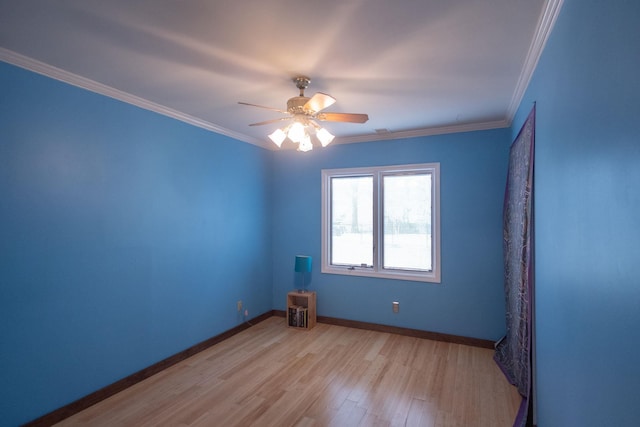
pixel 382 222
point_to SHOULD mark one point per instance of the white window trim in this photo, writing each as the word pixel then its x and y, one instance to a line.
pixel 377 271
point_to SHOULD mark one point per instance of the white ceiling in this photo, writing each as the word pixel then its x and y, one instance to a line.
pixel 416 67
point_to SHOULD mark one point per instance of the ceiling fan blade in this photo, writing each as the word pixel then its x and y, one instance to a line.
pixel 343 117
pixel 266 122
pixel 319 102
pixel 262 106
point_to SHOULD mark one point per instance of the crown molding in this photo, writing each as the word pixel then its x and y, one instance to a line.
pixel 543 30
pixel 441 130
pixel 56 73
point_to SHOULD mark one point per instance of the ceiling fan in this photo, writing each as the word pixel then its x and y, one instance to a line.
pixel 304 112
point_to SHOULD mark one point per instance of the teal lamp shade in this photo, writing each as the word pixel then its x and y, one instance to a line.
pixel 303 264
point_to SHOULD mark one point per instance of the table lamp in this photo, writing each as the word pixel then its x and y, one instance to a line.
pixel 303 265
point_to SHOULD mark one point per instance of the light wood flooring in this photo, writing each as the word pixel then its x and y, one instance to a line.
pixel 271 375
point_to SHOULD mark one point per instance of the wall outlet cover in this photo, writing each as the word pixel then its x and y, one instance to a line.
pixel 396 306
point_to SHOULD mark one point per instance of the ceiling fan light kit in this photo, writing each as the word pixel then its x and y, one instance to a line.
pixel 324 137
pixel 304 112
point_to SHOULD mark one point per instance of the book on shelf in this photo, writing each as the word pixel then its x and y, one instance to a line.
pixel 298 316
pixel 292 316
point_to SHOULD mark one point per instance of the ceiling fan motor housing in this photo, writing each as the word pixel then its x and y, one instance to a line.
pixel 295 105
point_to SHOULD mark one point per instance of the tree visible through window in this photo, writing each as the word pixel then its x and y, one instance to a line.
pixel 382 222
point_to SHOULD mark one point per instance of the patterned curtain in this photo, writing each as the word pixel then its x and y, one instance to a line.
pixel 513 352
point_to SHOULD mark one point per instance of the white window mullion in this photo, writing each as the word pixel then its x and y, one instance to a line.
pixel 376 221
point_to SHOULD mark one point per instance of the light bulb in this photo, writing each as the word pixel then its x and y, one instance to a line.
pixel 324 137
pixel 296 132
pixel 277 137
pixel 305 144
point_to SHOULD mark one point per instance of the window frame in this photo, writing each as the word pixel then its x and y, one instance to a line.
pixel 377 270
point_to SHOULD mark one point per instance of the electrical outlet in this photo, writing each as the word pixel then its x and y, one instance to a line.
pixel 239 306
pixel 246 313
pixel 396 306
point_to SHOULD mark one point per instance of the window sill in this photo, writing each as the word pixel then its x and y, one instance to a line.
pixel 392 275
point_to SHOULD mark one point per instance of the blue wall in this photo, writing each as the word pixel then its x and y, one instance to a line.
pixel 587 216
pixel 470 300
pixel 120 230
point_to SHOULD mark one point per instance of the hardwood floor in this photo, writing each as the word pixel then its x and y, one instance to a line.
pixel 271 375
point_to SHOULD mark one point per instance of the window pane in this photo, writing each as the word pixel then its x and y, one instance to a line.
pixel 352 220
pixel 407 222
